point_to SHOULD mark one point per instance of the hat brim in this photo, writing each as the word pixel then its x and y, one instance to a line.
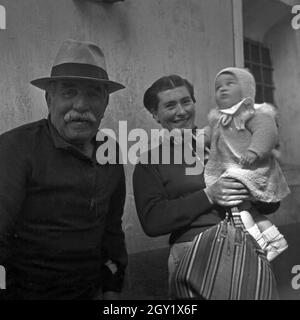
pixel 43 83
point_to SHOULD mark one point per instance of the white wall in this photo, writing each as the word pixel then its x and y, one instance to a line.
pixel 142 40
pixel 284 43
pixel 271 25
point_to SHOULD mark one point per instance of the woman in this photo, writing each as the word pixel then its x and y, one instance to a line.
pixel 169 201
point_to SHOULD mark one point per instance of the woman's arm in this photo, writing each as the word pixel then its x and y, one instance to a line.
pixel 160 215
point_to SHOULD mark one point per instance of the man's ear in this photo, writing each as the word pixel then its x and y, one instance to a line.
pixel 49 93
pixel 48 98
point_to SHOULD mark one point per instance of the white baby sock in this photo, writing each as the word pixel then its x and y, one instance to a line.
pixel 258 236
pixel 276 242
pixel 272 233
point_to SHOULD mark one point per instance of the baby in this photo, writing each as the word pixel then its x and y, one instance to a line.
pixel 242 138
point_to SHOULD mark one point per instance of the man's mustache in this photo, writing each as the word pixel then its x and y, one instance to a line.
pixel 76 116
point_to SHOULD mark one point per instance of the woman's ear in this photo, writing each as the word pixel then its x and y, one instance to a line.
pixel 154 115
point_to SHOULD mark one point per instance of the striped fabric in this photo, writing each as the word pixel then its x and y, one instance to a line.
pixel 224 263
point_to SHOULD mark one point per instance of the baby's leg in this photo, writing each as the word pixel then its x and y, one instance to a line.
pixel 262 221
pixel 276 242
pixel 248 214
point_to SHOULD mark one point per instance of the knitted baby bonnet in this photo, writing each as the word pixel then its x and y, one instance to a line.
pixel 245 79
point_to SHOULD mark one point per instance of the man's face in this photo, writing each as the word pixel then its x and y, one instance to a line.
pixel 228 91
pixel 176 109
pixel 76 108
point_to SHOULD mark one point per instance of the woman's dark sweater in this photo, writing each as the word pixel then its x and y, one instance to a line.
pixel 170 201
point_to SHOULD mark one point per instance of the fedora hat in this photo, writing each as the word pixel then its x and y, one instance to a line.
pixel 79 60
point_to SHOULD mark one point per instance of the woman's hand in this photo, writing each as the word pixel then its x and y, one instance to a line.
pixel 227 192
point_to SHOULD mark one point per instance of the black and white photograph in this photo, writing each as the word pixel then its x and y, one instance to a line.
pixel 149 153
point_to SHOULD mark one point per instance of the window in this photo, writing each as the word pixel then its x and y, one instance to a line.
pixel 258 61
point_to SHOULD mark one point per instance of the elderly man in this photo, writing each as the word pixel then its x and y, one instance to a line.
pixel 60 211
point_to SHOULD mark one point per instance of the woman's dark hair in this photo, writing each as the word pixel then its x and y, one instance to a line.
pixel 165 83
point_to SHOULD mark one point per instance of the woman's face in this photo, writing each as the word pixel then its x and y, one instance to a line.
pixel 176 109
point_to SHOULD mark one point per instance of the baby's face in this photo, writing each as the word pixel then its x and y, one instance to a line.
pixel 227 90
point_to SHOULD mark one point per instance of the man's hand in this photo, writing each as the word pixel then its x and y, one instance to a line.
pixel 108 295
pixel 111 295
pixel 227 192
pixel 248 158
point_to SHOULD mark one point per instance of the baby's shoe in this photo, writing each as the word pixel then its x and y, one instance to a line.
pixel 276 242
